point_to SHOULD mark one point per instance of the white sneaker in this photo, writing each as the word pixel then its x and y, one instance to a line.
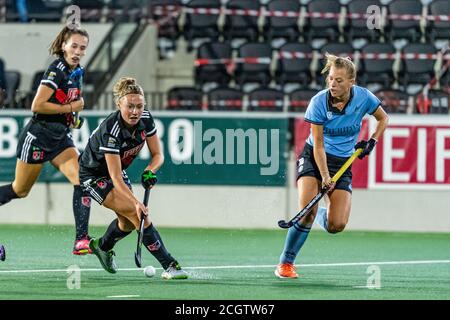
pixel 174 271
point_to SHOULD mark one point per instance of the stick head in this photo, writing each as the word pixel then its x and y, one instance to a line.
pixel 284 225
pixel 137 259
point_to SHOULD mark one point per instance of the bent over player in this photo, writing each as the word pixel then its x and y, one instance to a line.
pixel 47 135
pixel 111 149
pixel 335 115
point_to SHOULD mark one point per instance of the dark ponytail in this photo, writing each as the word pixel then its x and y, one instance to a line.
pixel 64 35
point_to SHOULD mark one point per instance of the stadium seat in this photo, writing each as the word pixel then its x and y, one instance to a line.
pixel 12 85
pixel 417 70
pixel 293 64
pixel 265 99
pixel 393 101
pixel 299 99
pixel 213 72
pixel 376 68
pixel 404 28
pixel 439 29
pixel 242 26
pixel 201 25
pixel 125 11
pixel 285 27
pixel 357 27
pixel 435 102
pixel 166 14
pixel 252 70
pixel 225 99
pixel 184 98
pixel 91 10
pixel 323 27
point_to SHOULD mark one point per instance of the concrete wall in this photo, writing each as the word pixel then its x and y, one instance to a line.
pixel 241 207
pixel 24 47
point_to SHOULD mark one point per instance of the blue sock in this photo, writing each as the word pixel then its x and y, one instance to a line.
pixel 321 218
pixel 295 239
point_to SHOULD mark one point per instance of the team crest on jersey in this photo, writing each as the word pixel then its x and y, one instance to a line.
pixel 38 155
pixel 329 115
pixel 101 184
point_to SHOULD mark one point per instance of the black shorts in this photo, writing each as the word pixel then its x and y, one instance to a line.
pixel 307 167
pixel 99 187
pixel 42 141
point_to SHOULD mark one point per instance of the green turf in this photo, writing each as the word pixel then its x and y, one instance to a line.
pixel 49 248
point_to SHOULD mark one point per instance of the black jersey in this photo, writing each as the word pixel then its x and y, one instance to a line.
pixel 67 86
pixel 112 136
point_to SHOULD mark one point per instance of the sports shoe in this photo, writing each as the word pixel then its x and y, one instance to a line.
pixel 106 257
pixel 81 246
pixel 286 270
pixel 174 271
pixel 2 253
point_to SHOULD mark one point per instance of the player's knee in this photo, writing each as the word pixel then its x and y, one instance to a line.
pixel 336 227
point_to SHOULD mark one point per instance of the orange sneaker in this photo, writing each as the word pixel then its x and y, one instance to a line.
pixel 81 246
pixel 286 270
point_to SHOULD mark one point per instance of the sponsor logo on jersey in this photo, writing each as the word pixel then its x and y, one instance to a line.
pixel 101 184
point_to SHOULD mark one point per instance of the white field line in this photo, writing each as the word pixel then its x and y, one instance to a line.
pixel 313 265
pixel 125 296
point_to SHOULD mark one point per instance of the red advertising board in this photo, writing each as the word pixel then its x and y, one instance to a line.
pixel 414 153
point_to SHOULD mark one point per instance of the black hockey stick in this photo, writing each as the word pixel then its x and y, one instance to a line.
pixel 137 254
pixel 283 224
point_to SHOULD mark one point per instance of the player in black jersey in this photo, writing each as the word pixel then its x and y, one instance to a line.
pixel 47 136
pixel 111 148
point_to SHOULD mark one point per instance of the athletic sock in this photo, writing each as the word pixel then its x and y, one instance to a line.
pixel 154 244
pixel 81 212
pixel 7 194
pixel 295 239
pixel 112 235
pixel 321 218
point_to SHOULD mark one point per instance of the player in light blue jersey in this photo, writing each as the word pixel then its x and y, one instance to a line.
pixel 335 115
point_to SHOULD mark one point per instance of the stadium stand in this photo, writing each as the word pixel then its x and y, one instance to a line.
pixel 294 63
pixel 265 99
pixel 376 64
pixel 225 99
pixel 211 64
pixel 357 22
pixel 184 98
pixel 282 20
pixel 299 99
pixel 318 24
pixel 241 20
pixel 404 20
pixel 210 28
pixel 254 64
pixel 198 25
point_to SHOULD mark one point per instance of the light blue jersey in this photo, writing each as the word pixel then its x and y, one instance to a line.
pixel 340 128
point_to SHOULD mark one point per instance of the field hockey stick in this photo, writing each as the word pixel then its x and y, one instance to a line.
pixel 137 254
pixel 283 224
